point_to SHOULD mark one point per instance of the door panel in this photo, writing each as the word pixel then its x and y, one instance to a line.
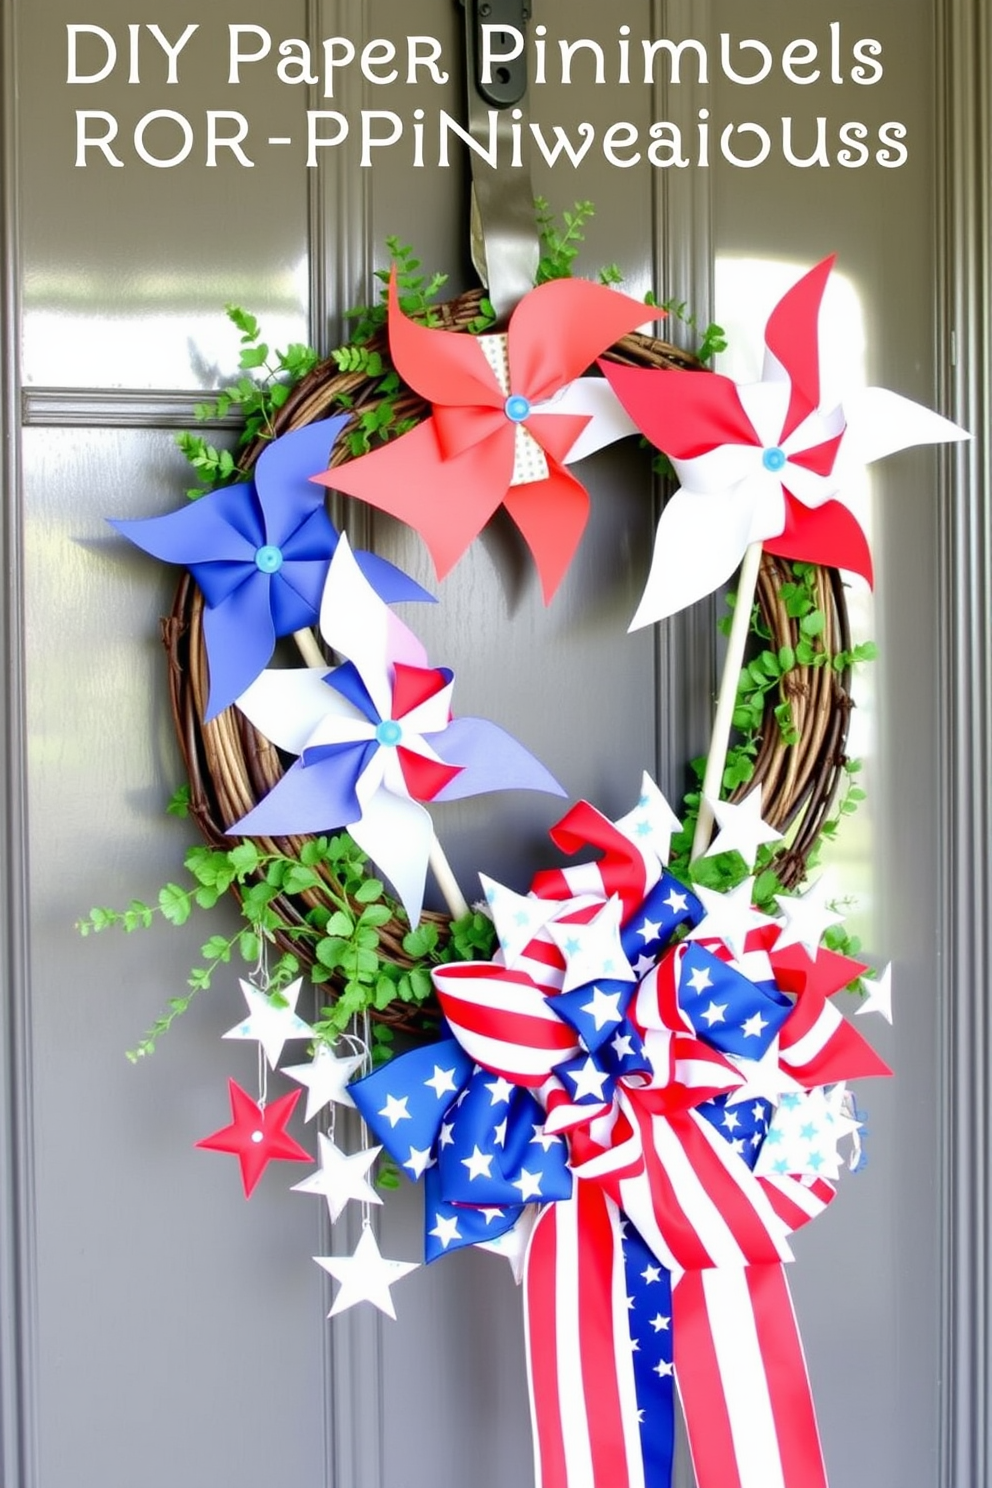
pixel 180 1335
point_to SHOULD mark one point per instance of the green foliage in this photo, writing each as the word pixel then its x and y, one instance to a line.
pixel 417 293
pixel 710 341
pixel 561 242
pixel 342 932
pixel 256 398
pixel 767 671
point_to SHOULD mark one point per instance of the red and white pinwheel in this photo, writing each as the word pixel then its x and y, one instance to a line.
pixel 763 462
pixel 508 413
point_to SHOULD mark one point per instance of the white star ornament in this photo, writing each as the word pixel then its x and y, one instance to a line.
pixel 326 1079
pixel 365 1276
pixel 268 1025
pixel 341 1176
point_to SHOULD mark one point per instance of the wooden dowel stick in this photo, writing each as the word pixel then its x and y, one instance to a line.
pixel 446 882
pixel 306 643
pixel 716 759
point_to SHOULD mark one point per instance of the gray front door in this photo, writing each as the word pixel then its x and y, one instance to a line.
pixel 164 1332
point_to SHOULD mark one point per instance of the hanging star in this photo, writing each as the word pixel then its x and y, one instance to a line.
pixel 257 1134
pixel 341 1176
pixel 765 462
pixel 742 829
pixel 807 916
pixel 375 738
pixel 495 440
pixel 593 951
pixel 326 1079
pixel 730 916
pixel 803 1134
pixel 259 552
pixel 764 1078
pixel 269 1025
pixel 878 994
pixel 365 1276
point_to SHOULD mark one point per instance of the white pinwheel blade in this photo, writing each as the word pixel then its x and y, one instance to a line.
pixel 287 705
pixel 397 833
pixel 880 422
pixel 359 625
pixel 594 398
pixel 701 540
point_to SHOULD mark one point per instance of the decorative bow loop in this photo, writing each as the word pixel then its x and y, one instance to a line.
pixel 479 1142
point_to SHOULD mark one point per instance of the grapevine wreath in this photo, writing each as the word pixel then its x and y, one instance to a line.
pixel 638 1094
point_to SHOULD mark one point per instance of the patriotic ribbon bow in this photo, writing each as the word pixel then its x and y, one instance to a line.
pixel 664 1086
pixel 508 412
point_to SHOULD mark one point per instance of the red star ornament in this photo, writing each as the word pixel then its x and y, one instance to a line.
pixel 257 1134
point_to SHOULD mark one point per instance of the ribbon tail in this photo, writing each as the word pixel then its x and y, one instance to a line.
pixel 584 1395
pixel 742 1379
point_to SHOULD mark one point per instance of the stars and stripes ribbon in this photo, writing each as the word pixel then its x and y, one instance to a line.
pixel 632 1108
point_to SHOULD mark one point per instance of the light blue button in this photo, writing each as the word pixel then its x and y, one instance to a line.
pixel 389 732
pixel 773 459
pixel 517 408
pixel 268 559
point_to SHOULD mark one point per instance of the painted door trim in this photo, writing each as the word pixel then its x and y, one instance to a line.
pixel 963 698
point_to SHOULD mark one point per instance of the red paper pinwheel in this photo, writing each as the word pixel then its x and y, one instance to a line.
pixel 487 444
pixel 763 462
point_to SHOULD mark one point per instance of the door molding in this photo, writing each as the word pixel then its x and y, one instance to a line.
pixel 963 696
pixel 18 1455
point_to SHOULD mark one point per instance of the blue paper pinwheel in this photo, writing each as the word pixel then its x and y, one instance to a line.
pixel 260 552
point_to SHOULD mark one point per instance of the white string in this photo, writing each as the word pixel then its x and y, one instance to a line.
pixel 261 980
pixel 366 1043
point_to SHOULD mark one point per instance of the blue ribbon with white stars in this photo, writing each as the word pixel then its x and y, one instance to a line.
pixel 649 932
pixel 478 1140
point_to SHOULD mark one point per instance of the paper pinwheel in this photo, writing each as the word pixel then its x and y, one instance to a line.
pixel 763 462
pixel 507 414
pixel 375 737
pixel 259 552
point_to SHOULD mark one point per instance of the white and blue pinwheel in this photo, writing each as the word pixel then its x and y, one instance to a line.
pixel 374 738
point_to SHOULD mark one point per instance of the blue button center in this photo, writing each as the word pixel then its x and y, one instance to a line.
pixel 773 459
pixel 389 732
pixel 268 560
pixel 517 408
